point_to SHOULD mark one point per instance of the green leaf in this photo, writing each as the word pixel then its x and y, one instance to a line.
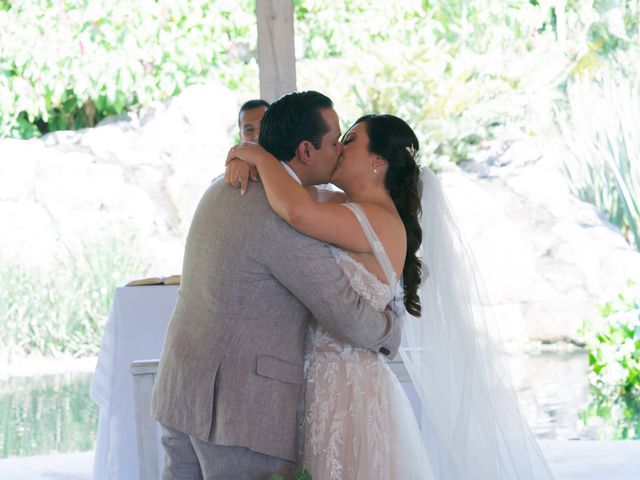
pixel 303 474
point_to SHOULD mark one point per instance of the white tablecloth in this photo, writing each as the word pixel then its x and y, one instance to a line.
pixel 135 331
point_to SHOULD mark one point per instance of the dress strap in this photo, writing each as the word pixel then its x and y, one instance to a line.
pixel 376 245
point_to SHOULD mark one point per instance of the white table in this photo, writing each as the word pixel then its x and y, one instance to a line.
pixel 135 331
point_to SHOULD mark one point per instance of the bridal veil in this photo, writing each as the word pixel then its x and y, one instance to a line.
pixel 471 422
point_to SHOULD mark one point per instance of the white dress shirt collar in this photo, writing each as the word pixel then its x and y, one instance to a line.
pixel 291 172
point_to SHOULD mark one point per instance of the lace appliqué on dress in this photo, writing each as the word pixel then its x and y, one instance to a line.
pixel 358 422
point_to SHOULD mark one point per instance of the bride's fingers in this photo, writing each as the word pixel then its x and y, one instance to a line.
pixel 232 154
pixel 238 174
pixel 243 184
pixel 230 174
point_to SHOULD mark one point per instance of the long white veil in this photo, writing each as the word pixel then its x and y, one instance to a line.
pixel 471 422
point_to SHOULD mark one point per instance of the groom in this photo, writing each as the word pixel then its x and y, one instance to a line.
pixel 231 373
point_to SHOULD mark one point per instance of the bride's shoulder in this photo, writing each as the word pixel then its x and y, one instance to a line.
pixel 384 221
pixel 377 213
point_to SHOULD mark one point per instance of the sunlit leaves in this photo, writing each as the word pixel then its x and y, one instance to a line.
pixel 115 54
pixel 613 342
pixel 602 132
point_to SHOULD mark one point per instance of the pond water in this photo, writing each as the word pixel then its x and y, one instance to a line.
pixel 46 414
pixel 552 389
pixel 53 413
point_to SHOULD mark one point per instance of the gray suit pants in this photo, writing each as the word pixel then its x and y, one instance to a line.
pixel 189 458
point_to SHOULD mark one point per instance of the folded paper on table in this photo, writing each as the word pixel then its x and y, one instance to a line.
pixel 170 280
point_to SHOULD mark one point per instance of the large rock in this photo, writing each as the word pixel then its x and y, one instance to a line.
pixel 546 257
pixel 142 172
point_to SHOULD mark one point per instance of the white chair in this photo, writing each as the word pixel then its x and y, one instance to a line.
pixel 144 374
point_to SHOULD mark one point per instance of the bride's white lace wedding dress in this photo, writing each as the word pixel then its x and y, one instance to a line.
pixel 359 423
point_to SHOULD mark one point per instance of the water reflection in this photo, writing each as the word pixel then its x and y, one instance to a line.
pixel 53 413
pixel 553 388
pixel 46 414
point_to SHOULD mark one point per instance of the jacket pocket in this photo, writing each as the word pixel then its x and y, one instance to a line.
pixel 277 369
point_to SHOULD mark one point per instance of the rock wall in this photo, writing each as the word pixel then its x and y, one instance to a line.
pixel 142 172
pixel 546 257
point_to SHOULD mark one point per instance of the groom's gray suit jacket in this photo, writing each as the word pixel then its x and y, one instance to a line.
pixel 231 370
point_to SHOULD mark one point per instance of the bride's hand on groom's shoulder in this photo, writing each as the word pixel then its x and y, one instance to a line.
pixel 248 152
pixel 240 165
pixel 238 174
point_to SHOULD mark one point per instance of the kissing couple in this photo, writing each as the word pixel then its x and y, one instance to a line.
pixel 294 297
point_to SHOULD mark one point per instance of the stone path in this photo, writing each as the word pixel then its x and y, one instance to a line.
pixel 570 460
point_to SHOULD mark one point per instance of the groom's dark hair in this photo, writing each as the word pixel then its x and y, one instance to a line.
pixel 291 119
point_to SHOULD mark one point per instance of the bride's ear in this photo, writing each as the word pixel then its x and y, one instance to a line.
pixel 303 152
pixel 379 163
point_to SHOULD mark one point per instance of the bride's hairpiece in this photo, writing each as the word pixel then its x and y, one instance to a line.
pixel 412 151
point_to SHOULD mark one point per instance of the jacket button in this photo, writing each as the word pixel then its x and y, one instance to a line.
pixel 384 351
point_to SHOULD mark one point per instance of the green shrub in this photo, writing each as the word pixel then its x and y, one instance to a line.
pixel 452 71
pixel 602 132
pixel 66 65
pixel 457 70
pixel 613 343
pixel 301 474
pixel 62 310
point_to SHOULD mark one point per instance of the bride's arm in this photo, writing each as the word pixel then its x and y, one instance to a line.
pixel 329 222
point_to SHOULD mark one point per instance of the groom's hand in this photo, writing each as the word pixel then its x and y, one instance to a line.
pixel 238 174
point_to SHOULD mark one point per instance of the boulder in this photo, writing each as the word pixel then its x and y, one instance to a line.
pixel 546 257
pixel 142 172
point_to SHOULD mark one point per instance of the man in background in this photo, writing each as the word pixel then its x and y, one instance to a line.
pixel 249 119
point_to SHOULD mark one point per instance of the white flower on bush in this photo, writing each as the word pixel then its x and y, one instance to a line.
pixel 614 374
pixel 628 348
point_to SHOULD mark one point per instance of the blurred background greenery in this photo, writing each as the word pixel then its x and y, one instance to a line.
pixel 460 72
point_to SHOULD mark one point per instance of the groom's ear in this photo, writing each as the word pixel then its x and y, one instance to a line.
pixel 303 152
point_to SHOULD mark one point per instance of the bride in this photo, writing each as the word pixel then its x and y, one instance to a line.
pixel 358 422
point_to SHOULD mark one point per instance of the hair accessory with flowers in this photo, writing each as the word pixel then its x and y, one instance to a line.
pixel 412 151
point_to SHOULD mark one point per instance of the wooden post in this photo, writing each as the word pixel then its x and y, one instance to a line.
pixel 276 56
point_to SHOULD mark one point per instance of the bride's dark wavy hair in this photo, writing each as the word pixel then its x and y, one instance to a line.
pixel 393 139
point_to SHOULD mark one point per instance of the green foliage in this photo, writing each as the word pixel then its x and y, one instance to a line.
pixel 613 343
pixel 457 70
pixel 605 36
pixel 67 65
pixel 62 311
pixel 301 474
pixel 453 70
pixel 602 132
pixel 435 64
